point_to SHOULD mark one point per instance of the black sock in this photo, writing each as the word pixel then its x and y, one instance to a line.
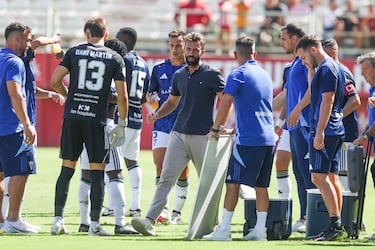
pixel 336 222
pixel 62 189
pixel 96 193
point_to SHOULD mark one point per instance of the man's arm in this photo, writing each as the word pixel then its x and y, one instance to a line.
pixel 45 94
pixel 280 121
pixel 223 112
pixel 279 100
pixel 296 112
pixel 324 114
pixel 352 104
pixel 19 106
pixel 167 107
pixel 56 80
pixel 122 99
pixel 368 132
pixel 42 41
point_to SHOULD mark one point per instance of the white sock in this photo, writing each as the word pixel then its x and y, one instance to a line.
pixel 106 183
pixel 116 195
pixel 84 202
pixel 58 218
pixel 94 224
pixel 181 195
pixel 135 180
pixel 260 226
pixel 284 187
pixel 4 208
pixel 227 219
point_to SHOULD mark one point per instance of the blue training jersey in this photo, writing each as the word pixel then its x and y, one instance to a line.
pixel 297 85
pixel 351 120
pixel 161 82
pixel 137 80
pixel 370 110
pixel 12 68
pixel 251 88
pixel 329 77
pixel 30 87
pixel 286 71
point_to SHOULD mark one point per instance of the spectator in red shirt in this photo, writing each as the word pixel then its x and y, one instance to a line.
pixel 368 24
pixel 196 14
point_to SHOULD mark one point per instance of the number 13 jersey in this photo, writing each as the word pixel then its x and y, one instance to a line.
pixel 92 68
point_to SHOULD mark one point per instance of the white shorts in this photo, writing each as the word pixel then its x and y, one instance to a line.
pixel 284 141
pixel 159 139
pixel 115 161
pixel 130 149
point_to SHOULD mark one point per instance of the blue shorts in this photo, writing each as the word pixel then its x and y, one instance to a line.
pixel 16 157
pixel 251 166
pixel 325 161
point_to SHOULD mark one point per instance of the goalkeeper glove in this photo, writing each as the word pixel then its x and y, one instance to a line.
pixel 117 134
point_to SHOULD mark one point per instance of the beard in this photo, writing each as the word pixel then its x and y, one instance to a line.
pixel 194 62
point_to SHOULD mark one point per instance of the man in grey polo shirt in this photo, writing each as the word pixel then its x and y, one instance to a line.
pixel 194 87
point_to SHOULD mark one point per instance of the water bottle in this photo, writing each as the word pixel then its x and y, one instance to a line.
pixel 56 47
pixel 155 100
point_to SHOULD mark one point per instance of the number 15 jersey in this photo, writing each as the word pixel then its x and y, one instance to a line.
pixel 92 68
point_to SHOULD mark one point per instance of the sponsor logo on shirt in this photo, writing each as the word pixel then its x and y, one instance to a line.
pixel 163 76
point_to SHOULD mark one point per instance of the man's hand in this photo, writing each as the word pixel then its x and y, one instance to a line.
pixel 117 135
pixel 371 101
pixel 294 118
pixel 56 97
pixel 319 141
pixel 359 141
pixel 222 131
pixel 29 133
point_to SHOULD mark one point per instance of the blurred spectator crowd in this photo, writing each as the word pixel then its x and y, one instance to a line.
pixel 350 22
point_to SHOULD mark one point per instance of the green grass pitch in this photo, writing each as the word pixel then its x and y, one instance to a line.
pixel 38 210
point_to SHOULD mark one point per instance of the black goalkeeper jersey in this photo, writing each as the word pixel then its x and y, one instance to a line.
pixel 92 68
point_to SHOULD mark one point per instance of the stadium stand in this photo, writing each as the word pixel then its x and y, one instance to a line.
pixel 153 19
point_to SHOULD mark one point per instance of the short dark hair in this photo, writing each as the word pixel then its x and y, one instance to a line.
pixel 127 35
pixel 293 30
pixel 329 43
pixel 196 37
pixel 308 41
pixel 116 45
pixel 97 26
pixel 176 33
pixel 15 27
pixel 245 46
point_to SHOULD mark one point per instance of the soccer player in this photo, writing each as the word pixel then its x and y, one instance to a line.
pixel 91 66
pixel 351 103
pixel 297 109
pixel 249 88
pixel 137 80
pixel 160 83
pixel 195 87
pixel 115 186
pixel 17 132
pixel 283 154
pixel 367 63
pixel 327 131
pixel 32 92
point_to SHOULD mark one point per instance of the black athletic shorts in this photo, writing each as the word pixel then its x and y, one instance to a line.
pixel 76 132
